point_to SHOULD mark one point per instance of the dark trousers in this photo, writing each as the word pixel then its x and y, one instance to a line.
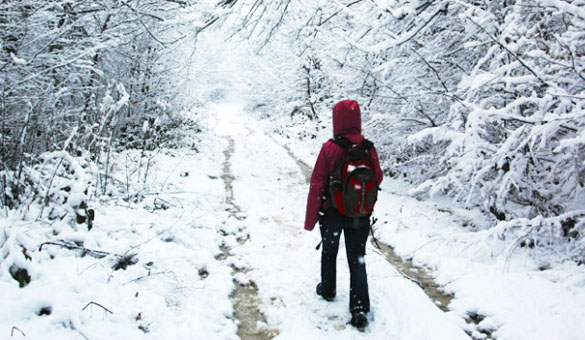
pixel 356 236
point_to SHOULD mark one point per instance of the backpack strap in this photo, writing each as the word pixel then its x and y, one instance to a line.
pixel 366 144
pixel 341 141
pixel 345 143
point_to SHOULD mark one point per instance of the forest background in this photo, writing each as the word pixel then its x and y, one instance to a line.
pixel 481 101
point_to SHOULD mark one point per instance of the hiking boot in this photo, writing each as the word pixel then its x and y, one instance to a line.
pixel 359 320
pixel 320 292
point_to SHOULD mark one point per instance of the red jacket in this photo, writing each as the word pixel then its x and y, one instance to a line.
pixel 347 122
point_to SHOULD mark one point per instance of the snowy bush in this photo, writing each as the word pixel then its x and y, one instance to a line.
pixel 513 138
pixel 15 257
pixel 83 76
pixel 66 184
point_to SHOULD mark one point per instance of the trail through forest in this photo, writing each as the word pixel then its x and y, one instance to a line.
pixel 155 156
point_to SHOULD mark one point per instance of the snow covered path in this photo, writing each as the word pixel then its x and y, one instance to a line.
pixel 207 236
pixel 270 190
pixel 174 237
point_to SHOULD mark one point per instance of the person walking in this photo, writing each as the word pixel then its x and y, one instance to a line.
pixel 333 219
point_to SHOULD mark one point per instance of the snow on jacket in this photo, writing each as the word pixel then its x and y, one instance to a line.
pixel 347 121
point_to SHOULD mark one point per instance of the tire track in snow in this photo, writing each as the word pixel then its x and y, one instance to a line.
pixel 245 294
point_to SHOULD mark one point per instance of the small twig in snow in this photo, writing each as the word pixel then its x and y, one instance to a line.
pixel 97 304
pixel 91 266
pixel 145 277
pixel 14 328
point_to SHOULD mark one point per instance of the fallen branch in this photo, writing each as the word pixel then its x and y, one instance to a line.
pixel 99 254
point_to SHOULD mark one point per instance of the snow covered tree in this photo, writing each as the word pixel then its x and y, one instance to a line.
pixel 83 76
pixel 513 143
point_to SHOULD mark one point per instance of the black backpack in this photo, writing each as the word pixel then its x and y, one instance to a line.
pixel 353 187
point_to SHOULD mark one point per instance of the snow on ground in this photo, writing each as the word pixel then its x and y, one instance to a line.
pixel 177 289
pixel 520 296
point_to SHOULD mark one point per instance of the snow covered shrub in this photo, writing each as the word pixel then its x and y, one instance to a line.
pixel 76 73
pixel 155 132
pixel 15 260
pixel 514 139
pixel 66 184
pixel 561 236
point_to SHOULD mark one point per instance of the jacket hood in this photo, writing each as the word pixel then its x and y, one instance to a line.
pixel 347 118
